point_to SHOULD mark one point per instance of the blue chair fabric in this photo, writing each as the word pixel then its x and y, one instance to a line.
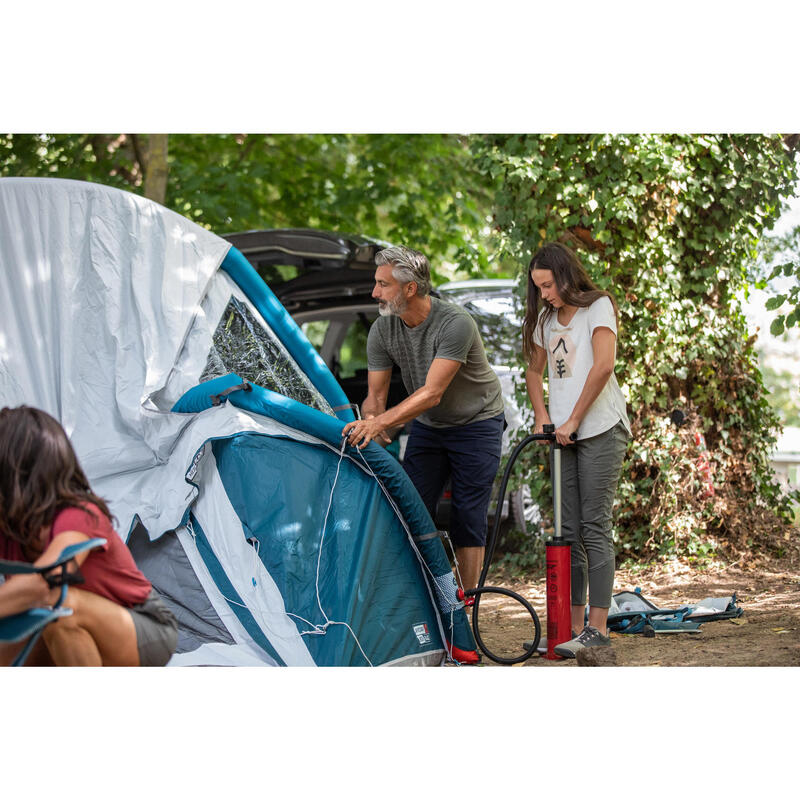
pixel 30 624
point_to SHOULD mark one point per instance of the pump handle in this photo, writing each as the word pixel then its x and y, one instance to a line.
pixel 550 436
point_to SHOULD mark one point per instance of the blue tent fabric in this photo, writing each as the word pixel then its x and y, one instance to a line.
pixel 432 562
pixel 338 572
pixel 228 501
pixel 240 608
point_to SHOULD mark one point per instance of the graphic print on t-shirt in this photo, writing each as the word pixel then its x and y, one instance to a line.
pixel 562 355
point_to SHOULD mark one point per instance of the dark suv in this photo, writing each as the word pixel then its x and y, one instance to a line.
pixel 325 281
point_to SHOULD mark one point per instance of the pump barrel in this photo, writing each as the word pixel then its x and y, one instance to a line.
pixel 558 586
pixel 557 566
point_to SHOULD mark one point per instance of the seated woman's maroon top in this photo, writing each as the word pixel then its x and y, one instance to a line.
pixel 109 571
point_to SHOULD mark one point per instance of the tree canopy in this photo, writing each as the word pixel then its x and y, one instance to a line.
pixel 424 189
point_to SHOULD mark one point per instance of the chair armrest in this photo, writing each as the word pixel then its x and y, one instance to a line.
pixel 67 554
pixel 20 626
pixel 16 567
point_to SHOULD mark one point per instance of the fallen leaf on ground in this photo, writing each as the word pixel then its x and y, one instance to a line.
pixel 739 621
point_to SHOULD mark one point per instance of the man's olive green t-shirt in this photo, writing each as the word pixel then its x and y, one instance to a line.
pixel 447 332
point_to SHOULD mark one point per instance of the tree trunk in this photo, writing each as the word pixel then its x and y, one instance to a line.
pixel 155 175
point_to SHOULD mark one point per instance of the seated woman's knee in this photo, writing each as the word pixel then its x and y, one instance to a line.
pixel 63 626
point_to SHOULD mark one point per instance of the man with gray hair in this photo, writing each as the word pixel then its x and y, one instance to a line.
pixel 454 398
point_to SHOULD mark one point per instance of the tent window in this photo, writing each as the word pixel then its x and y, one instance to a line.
pixel 245 346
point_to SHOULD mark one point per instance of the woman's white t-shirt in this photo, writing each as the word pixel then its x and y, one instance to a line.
pixel 569 359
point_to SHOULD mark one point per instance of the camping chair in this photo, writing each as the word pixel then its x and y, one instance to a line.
pixel 630 612
pixel 31 623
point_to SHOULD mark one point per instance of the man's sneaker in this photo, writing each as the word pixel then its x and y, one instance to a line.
pixel 542 646
pixel 588 637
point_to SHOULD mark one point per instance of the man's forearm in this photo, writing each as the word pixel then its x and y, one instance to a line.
pixel 410 408
pixel 373 406
pixel 361 432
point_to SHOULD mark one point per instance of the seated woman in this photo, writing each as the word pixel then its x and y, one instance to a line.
pixel 46 504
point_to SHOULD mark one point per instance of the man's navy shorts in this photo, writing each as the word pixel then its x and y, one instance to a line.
pixel 467 454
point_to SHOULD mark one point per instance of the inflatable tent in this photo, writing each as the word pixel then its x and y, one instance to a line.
pixel 203 415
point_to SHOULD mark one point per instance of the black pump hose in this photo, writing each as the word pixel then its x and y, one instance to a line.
pixel 481 589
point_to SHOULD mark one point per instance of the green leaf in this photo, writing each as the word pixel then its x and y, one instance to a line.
pixel 775 302
pixel 776 328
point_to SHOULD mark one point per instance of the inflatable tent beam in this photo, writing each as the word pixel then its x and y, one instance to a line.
pixel 261 296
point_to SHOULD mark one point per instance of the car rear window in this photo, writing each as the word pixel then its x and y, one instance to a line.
pixel 498 320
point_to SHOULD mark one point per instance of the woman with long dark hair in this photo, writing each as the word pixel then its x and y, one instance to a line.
pixel 46 504
pixel 570 328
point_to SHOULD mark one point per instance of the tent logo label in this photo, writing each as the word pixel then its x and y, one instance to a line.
pixel 192 471
pixel 422 633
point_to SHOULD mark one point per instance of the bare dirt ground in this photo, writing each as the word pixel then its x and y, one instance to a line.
pixel 767 634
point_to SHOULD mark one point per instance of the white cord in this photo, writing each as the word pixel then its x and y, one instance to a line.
pixel 325 525
pixel 322 629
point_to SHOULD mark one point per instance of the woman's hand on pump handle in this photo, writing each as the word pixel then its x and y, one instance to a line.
pixel 538 428
pixel 562 433
pixel 565 431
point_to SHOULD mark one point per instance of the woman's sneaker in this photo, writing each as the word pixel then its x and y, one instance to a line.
pixel 542 646
pixel 588 637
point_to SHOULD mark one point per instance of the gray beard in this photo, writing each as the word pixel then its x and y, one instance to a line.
pixel 396 307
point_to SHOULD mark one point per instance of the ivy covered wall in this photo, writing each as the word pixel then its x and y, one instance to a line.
pixel 669 224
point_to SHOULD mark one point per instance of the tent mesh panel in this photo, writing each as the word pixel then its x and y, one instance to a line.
pixel 246 347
